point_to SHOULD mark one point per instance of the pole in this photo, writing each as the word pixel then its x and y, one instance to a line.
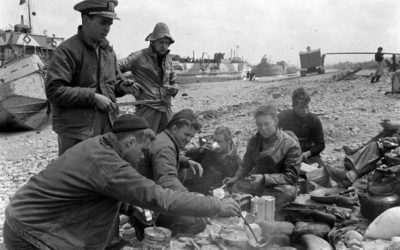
pixel 29 15
pixel 358 53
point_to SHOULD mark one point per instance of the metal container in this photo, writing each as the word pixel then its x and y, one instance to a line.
pixel 258 208
pixel 263 208
pixel 269 207
pixel 156 238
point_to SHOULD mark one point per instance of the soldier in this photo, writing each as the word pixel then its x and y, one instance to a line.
pixel 308 129
pixel 152 69
pixel 83 79
pixel 271 161
pixel 379 66
pixel 74 202
pixel 219 160
pixel 163 160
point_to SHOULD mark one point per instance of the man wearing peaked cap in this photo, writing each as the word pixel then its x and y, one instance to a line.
pixel 83 80
pixel 74 202
pixel 155 78
pixel 103 8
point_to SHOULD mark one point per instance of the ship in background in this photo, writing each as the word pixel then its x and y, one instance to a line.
pixel 204 69
pixel 266 68
pixel 20 41
pixel 23 59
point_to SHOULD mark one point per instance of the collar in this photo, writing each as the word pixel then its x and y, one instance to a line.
pixel 271 139
pixel 173 140
pixel 299 117
pixel 104 44
pixel 110 139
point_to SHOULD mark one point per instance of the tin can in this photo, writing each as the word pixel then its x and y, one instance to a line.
pixel 258 208
pixel 156 238
pixel 269 207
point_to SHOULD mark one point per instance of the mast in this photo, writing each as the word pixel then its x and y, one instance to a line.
pixel 29 15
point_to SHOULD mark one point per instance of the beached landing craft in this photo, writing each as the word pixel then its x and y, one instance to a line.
pixel 23 104
pixel 23 56
pixel 190 70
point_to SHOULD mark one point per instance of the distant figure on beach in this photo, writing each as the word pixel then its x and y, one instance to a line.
pixel 379 66
pixel 252 76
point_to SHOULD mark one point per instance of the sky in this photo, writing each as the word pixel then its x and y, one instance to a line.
pixel 279 29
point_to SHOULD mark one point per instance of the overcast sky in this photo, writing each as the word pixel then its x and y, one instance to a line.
pixel 276 28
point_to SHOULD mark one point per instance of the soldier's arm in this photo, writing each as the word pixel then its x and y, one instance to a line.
pixel 60 89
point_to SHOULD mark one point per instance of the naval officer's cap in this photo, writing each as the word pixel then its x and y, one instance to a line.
pixel 104 8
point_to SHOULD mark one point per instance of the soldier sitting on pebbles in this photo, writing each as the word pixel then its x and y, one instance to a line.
pixel 74 202
pixel 271 161
pixel 219 161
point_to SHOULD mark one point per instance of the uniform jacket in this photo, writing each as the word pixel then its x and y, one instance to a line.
pixel 162 162
pixel 277 158
pixel 378 56
pixel 215 164
pixel 73 203
pixel 308 130
pixel 150 78
pixel 216 168
pixel 75 73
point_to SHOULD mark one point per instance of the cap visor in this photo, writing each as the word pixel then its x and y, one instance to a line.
pixel 105 14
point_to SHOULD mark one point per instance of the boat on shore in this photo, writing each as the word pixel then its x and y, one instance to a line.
pixel 266 68
pixel 190 70
pixel 23 102
pixel 23 59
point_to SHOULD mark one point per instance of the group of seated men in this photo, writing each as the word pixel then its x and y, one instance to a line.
pixel 75 201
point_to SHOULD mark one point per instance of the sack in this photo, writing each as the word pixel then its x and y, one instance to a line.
pixel 313 242
pixel 386 225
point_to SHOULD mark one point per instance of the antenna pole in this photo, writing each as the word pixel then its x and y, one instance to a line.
pixel 29 15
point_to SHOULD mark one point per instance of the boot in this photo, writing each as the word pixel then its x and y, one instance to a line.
pixel 377 78
pixel 339 176
pixel 349 151
pixel 373 79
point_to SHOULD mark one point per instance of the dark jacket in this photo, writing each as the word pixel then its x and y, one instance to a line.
pixel 308 130
pixel 74 75
pixel 378 56
pixel 73 203
pixel 277 158
pixel 162 162
pixel 151 77
pixel 216 167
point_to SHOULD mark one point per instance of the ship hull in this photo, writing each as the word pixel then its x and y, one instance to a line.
pixel 23 103
pixel 208 72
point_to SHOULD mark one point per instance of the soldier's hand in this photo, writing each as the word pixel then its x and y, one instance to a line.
pixel 229 181
pixel 229 207
pixel 171 90
pixel 255 179
pixel 196 167
pixel 102 102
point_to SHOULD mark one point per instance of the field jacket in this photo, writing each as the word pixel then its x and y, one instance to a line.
pixel 73 203
pixel 163 161
pixel 278 161
pixel 77 70
pixel 308 130
pixel 150 78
